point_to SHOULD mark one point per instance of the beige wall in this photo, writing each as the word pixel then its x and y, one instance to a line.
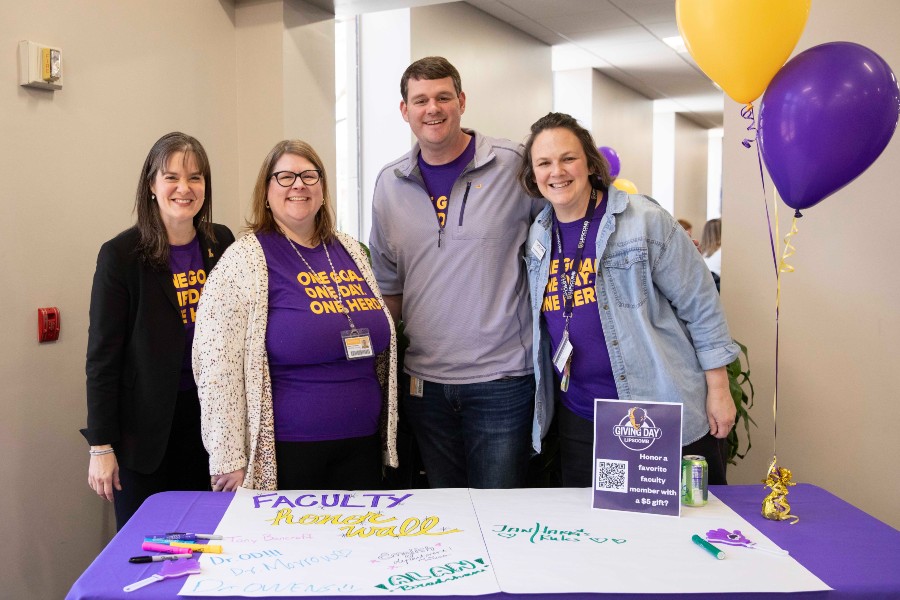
pixel 837 402
pixel 691 164
pixel 285 66
pixel 623 119
pixel 133 71
pixel 505 73
pixel 239 79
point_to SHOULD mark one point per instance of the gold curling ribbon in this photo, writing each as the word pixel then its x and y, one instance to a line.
pixel 775 506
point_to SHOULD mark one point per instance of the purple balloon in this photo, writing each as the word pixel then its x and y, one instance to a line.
pixel 612 158
pixel 825 117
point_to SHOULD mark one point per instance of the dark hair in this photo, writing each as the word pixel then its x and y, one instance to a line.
pixel 430 67
pixel 154 243
pixel 261 217
pixel 597 165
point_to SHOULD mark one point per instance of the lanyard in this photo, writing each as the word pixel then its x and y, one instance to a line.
pixel 340 297
pixel 567 280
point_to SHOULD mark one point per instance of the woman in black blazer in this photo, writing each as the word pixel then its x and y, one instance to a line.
pixel 143 421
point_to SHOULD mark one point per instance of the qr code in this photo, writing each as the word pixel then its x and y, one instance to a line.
pixel 612 476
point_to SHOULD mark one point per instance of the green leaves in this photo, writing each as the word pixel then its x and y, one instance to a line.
pixel 738 378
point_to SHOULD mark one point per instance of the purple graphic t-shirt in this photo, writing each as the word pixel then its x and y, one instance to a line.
pixel 591 369
pixel 188 275
pixel 439 179
pixel 317 393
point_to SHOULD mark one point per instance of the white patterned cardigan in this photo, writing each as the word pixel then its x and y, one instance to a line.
pixel 232 369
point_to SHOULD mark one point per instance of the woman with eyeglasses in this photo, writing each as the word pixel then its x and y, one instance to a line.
pixel 295 354
pixel 143 417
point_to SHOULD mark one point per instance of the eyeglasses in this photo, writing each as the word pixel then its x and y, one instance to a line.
pixel 287 178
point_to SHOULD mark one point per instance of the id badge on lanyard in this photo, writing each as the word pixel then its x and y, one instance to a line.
pixel 357 343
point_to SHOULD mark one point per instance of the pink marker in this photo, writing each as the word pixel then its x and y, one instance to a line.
pixel 151 547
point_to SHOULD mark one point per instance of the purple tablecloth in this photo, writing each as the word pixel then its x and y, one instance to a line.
pixel 854 553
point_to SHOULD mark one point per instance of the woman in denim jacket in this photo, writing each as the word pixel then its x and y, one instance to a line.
pixel 649 327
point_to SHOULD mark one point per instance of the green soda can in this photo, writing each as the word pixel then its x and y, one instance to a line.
pixel 694 480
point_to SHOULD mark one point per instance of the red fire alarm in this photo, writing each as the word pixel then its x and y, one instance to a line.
pixel 48 324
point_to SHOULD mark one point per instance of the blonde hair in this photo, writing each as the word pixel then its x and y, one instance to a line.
pixel 711 240
pixel 261 217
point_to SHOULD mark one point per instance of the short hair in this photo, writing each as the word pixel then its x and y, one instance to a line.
pixel 261 218
pixel 685 224
pixel 153 246
pixel 597 164
pixel 711 240
pixel 430 67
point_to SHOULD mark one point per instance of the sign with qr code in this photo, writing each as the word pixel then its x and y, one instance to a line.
pixel 637 456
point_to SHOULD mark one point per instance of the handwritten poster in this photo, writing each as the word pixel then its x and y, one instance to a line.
pixel 323 543
pixel 550 540
pixel 637 456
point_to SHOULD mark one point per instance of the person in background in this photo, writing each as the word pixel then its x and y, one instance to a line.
pixel 612 273
pixel 711 245
pixel 295 352
pixel 687 226
pixel 143 417
pixel 448 225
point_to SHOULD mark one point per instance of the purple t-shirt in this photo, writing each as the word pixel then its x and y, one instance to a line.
pixel 317 393
pixel 591 373
pixel 188 275
pixel 439 179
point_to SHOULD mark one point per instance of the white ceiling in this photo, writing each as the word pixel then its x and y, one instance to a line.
pixel 620 38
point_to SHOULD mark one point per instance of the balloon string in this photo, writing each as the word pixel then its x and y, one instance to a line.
pixel 762 179
pixel 747 113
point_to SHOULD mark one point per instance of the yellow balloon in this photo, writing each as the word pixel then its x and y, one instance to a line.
pixel 741 44
pixel 625 185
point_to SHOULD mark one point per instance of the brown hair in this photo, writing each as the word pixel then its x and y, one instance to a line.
pixel 430 67
pixel 597 165
pixel 261 218
pixel 153 246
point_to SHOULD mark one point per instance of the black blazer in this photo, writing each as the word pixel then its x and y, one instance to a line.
pixel 135 350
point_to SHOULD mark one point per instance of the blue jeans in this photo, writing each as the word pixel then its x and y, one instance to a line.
pixel 476 434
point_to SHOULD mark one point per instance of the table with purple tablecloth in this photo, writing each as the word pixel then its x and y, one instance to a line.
pixel 851 551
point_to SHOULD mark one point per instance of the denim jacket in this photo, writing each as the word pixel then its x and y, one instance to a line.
pixel 661 316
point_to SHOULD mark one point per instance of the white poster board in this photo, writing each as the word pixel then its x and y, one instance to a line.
pixel 423 542
pixel 457 542
pixel 550 540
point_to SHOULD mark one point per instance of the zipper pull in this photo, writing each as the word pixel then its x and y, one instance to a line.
pixel 440 235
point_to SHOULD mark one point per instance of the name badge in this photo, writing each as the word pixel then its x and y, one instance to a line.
pixel 357 344
pixel 538 249
pixel 563 352
pixel 416 387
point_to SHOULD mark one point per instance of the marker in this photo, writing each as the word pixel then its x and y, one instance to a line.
pixel 177 535
pixel 159 540
pixel 151 547
pixel 211 548
pixel 708 547
pixel 158 558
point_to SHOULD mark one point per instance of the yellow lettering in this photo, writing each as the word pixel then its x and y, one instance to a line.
pixel 552 284
pixel 442 218
pixel 184 315
pixel 551 303
pixel 353 305
pixel 578 296
pixel 304 278
pixel 554 266
pixel 192 278
pixel 201 276
pixel 441 203
pixel 589 295
pixel 283 516
pixel 193 315
pixel 316 307
pixel 180 280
